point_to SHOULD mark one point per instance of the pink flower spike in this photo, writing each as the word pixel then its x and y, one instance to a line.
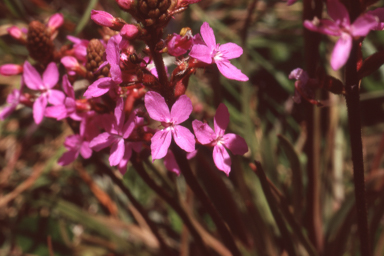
pixel 102 18
pixel 219 54
pixel 206 136
pixel 170 120
pixel 10 69
pixel 55 21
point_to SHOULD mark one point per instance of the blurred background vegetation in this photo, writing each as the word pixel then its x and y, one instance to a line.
pixel 46 209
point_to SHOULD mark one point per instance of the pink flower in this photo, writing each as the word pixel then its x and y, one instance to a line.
pixel 115 135
pixel 220 141
pixel 219 54
pixel 68 107
pixel 44 85
pixel 13 99
pixel 179 45
pixel 103 85
pixel 75 144
pixel 158 110
pixel 342 27
pixel 79 47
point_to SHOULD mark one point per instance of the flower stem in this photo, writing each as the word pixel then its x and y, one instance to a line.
pixel 352 97
pixel 138 165
pixel 199 192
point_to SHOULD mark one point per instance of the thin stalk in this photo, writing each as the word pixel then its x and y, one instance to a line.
pixel 354 123
pixel 199 192
pixel 164 247
pixel 311 9
pixel 137 164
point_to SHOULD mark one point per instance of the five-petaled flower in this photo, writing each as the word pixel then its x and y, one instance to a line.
pixel 219 54
pixel 342 27
pixel 220 141
pixel 159 111
pixel 116 133
pixel 44 84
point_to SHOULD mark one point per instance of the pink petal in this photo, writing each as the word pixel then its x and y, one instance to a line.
pixel 203 132
pixel 327 27
pixel 67 87
pixel 160 143
pixel 170 163
pixel 201 53
pixel 235 143
pixel 68 157
pixel 39 108
pixel 85 150
pixel 50 75
pixel 59 112
pixel 221 120
pixel 338 12
pixel 181 109
pixel 230 51
pixel 31 77
pixel 230 71
pixel 222 159
pixel 99 87
pixel 341 51
pixel 209 37
pixel 122 166
pixel 129 126
pixel 56 97
pixel 119 114
pixel 101 141
pixel 156 107
pixel 363 24
pixel 117 152
pixel 7 111
pixel 184 138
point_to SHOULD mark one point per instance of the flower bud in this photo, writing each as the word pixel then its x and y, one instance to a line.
pixel 129 31
pixel 102 18
pixel 55 21
pixel 126 5
pixel 17 34
pixel 69 62
pixel 10 69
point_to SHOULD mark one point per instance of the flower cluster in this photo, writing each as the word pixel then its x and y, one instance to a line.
pixel 108 113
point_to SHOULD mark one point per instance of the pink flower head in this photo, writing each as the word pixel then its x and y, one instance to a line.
pixel 342 27
pixel 44 85
pixel 55 21
pixel 220 141
pixel 115 134
pixel 170 120
pixel 219 54
pixel 75 144
pixel 10 69
pixel 103 85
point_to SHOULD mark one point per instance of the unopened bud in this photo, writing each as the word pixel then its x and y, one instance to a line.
pixel 69 62
pixel 106 19
pixel 10 69
pixel 126 5
pixel 17 33
pixel 55 21
pixel 129 31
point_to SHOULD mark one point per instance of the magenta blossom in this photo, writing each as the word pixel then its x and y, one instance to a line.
pixel 342 27
pixel 44 85
pixel 219 54
pixel 220 141
pixel 13 99
pixel 115 135
pixel 179 45
pixel 159 111
pixel 79 48
pixel 103 85
pixel 75 144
